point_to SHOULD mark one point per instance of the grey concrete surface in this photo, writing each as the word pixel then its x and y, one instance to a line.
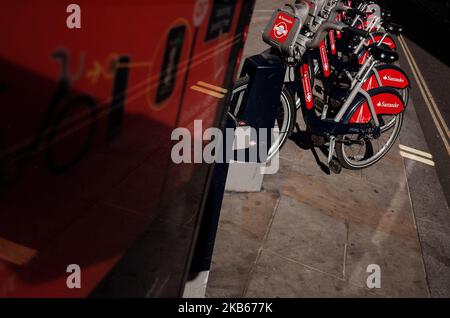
pixel 322 231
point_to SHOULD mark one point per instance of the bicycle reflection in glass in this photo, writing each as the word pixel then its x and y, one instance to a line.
pixel 70 114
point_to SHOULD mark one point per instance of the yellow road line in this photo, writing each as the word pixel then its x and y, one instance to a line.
pixel 417 158
pixel 429 100
pixel 15 253
pixel 427 90
pixel 417 152
pixel 207 91
pixel 213 87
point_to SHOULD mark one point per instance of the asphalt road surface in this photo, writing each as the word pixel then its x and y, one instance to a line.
pixel 427 60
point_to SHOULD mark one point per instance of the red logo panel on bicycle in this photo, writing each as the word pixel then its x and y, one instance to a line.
pixel 384 104
pixel 282 31
pixel 281 28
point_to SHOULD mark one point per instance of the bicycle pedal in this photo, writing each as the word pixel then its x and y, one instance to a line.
pixel 335 166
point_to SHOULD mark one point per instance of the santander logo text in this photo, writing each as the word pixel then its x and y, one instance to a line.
pixel 284 19
pixel 393 79
pixel 387 105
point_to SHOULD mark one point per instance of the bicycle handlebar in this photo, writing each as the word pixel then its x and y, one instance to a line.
pixel 356 31
pixel 322 33
pixel 338 26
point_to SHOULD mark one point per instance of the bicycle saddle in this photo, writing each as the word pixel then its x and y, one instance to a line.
pixel 383 54
pixel 385 14
pixel 393 28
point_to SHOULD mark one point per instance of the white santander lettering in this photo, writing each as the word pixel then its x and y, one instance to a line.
pixel 388 105
pixel 393 79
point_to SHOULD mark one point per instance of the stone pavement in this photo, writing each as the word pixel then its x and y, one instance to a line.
pixel 309 234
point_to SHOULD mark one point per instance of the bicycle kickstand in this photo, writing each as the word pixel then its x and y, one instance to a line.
pixel 333 164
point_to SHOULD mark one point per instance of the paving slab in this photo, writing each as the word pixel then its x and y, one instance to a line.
pixel 399 259
pixel 436 254
pixel 244 222
pixel 276 276
pixel 381 208
pixel 305 234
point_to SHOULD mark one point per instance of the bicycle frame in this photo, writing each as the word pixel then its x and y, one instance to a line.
pixel 357 96
pixel 356 88
pixel 334 127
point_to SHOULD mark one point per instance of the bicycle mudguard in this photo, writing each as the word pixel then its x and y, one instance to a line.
pixel 387 75
pixel 386 101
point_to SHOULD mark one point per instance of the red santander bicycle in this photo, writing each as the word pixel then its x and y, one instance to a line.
pixel 358 120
